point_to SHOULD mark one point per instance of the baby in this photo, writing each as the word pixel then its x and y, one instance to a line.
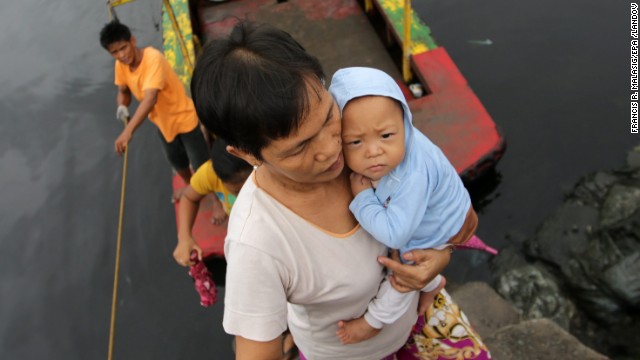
pixel 406 193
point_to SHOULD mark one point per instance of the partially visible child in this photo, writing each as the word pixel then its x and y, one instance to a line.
pixel 406 193
pixel 224 175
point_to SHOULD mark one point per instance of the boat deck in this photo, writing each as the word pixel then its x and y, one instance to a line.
pixel 336 31
pixel 340 34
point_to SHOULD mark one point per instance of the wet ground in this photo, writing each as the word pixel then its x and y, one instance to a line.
pixel 555 79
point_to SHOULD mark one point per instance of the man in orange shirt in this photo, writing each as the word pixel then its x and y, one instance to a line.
pixel 147 75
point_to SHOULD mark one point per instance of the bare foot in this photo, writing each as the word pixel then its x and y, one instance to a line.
pixel 355 331
pixel 218 215
pixel 426 298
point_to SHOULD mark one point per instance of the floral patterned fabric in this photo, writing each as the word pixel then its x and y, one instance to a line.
pixel 442 333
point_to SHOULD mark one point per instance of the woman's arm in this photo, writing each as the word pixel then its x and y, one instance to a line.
pixel 429 262
pixel 258 350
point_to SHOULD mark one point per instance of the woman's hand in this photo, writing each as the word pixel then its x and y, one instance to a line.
pixel 428 264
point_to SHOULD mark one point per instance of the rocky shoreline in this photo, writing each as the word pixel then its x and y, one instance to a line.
pixel 572 290
pixel 509 335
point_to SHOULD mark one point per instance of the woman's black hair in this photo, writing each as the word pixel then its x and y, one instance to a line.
pixel 112 32
pixel 251 87
pixel 229 168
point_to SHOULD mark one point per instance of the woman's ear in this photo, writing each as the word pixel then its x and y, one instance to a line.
pixel 243 155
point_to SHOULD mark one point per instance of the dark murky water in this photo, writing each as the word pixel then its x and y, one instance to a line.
pixel 60 183
pixel 555 79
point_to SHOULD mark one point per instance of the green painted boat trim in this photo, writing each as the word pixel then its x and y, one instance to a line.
pixel 421 39
pixel 171 44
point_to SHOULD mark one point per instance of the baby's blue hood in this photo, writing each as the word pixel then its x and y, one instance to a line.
pixel 350 83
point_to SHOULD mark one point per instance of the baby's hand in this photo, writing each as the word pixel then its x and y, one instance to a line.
pixel 359 183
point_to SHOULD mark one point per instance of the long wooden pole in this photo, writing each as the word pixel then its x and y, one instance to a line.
pixel 116 273
pixel 406 44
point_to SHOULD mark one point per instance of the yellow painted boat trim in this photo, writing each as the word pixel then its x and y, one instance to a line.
pixel 173 50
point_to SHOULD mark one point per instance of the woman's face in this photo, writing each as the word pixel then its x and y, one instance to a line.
pixel 312 153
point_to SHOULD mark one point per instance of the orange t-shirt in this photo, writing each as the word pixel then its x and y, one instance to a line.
pixel 173 112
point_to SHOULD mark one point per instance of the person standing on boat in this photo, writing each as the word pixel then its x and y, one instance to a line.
pixel 406 192
pixel 145 73
pixel 296 256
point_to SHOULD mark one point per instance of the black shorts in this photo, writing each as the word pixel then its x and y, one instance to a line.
pixel 187 148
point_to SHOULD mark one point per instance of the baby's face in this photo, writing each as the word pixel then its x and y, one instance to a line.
pixel 373 135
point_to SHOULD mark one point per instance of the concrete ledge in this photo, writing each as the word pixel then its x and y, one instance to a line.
pixel 487 311
pixel 539 339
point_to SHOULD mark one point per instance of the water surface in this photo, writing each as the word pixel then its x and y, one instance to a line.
pixel 60 183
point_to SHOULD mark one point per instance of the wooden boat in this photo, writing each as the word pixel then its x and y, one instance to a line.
pixel 346 33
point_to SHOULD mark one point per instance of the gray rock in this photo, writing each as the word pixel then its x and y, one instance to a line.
pixel 590 248
pixel 565 234
pixel 535 293
pixel 633 157
pixel 620 203
pixel 623 279
pixel 539 339
pixel 592 189
pixel 508 258
pixel 604 280
pixel 486 310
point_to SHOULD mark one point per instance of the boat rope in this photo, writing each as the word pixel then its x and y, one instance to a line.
pixel 176 28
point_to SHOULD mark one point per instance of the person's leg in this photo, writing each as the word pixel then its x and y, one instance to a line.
pixel 195 146
pixel 443 332
pixel 177 157
pixel 386 308
pixel 185 174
